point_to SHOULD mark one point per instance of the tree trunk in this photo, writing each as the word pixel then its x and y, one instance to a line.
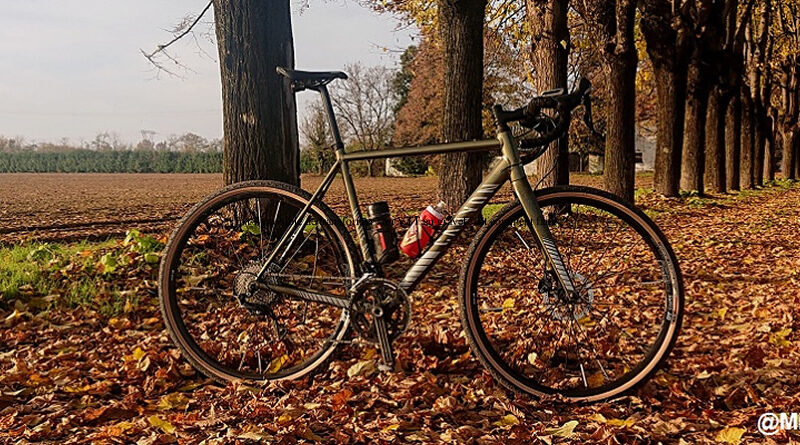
pixel 715 141
pixel 760 145
pixel 733 141
pixel 549 54
pixel 788 142
pixel 619 171
pixel 671 97
pixel 769 149
pixel 666 48
pixel 747 156
pixel 259 111
pixel 461 27
pixel 692 158
pixel 796 157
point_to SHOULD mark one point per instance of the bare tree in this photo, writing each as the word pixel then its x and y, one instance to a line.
pixel 365 106
pixel 315 133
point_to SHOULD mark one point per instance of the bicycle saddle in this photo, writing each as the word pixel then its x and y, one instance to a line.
pixel 311 80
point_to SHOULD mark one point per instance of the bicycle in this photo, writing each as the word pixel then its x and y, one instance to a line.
pixel 565 291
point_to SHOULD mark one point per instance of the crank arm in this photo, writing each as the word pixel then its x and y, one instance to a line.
pixel 385 344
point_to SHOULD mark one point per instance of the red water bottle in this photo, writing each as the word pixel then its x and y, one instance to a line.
pixel 419 234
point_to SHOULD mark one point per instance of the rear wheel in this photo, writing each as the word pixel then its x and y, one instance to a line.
pixel 598 344
pixel 224 327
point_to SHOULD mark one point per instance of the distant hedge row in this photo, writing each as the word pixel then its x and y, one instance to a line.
pixel 128 161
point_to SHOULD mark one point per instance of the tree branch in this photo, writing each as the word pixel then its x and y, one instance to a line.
pixel 161 49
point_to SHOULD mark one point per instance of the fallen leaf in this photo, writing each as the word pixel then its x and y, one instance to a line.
pixel 157 422
pixel 564 430
pixel 363 368
pixel 731 435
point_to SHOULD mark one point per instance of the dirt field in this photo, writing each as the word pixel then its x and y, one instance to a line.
pixel 56 206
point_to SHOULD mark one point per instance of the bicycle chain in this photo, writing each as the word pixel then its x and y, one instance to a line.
pixel 314 277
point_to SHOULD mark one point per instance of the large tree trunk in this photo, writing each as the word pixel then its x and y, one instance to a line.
pixel 259 111
pixel 619 170
pixel 715 141
pixel 692 158
pixel 733 141
pixel 549 54
pixel 666 48
pixel 748 152
pixel 461 27
pixel 670 93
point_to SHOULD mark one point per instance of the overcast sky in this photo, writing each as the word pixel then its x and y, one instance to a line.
pixel 72 68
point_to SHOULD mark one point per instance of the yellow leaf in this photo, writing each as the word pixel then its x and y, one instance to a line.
pixel 564 430
pixel 532 358
pixel 508 303
pixel 162 424
pixel 595 379
pixel 597 417
pixel 364 367
pixel 276 364
pixel 391 427
pixel 175 400
pixel 507 421
pixel 118 323
pixel 620 422
pixel 779 338
pixel 138 354
pixel 730 435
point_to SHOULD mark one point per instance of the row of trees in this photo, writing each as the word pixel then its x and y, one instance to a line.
pixel 726 73
pixel 130 161
pixel 188 153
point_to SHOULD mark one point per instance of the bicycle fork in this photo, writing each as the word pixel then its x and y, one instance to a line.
pixel 527 197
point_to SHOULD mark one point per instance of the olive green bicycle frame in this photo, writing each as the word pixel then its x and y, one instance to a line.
pixel 506 167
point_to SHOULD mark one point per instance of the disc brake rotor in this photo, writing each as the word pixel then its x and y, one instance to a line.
pixel 562 308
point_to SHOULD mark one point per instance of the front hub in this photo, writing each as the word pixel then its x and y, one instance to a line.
pixel 561 306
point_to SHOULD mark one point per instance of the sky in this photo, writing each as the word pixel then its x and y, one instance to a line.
pixel 73 68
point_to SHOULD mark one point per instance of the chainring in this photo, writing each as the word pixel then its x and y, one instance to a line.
pixel 392 301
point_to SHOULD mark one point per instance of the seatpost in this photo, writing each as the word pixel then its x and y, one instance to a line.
pixel 326 101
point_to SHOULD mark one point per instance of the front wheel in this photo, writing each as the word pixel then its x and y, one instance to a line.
pixel 592 346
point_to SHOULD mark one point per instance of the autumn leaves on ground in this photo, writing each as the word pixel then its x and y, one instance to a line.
pixel 105 371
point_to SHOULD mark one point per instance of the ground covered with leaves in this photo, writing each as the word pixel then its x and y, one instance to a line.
pixel 105 371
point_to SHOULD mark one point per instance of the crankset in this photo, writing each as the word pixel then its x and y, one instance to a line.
pixel 381 313
pixel 377 297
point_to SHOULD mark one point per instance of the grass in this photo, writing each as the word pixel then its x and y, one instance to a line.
pixel 29 268
pixel 91 274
